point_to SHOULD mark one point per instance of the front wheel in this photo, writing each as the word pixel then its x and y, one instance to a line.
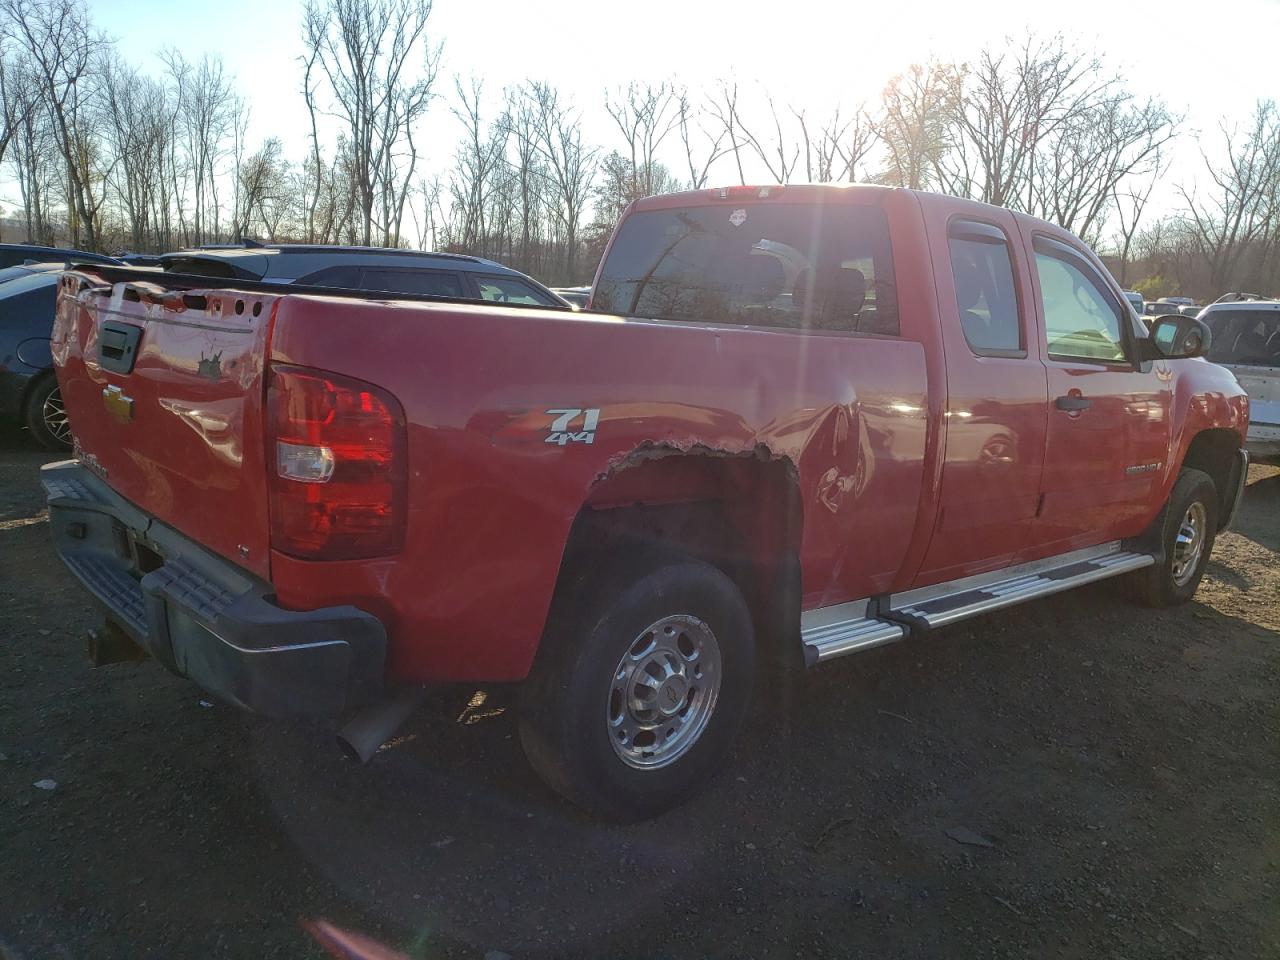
pixel 641 684
pixel 46 415
pixel 1186 527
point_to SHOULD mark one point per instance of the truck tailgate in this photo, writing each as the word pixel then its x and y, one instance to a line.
pixel 164 390
pixel 1263 387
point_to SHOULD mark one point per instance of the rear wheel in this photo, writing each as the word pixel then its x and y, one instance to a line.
pixel 640 686
pixel 1186 529
pixel 47 417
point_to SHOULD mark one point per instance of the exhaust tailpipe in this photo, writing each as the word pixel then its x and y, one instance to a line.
pixel 110 644
pixel 375 724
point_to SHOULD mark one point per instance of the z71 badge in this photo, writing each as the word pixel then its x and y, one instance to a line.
pixel 562 431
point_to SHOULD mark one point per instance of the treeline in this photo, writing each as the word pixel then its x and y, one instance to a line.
pixel 108 158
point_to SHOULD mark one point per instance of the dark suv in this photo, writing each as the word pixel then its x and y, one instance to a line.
pixel 16 254
pixel 364 268
pixel 28 392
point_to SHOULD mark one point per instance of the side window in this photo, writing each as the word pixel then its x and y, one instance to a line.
pixel 1081 321
pixel 510 290
pixel 427 283
pixel 346 276
pixel 985 294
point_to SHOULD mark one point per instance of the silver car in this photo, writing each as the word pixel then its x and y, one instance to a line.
pixel 1246 340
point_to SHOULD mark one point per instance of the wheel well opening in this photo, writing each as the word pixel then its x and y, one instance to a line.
pixel 1215 452
pixel 741 513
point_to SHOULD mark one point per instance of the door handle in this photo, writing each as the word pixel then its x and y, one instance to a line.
pixel 1073 404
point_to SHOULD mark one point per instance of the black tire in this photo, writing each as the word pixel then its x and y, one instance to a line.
pixel 1157 585
pixel 45 415
pixel 567 701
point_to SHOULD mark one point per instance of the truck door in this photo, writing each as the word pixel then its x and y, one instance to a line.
pixel 995 411
pixel 1108 413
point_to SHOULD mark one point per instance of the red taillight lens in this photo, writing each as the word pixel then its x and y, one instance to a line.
pixel 336 455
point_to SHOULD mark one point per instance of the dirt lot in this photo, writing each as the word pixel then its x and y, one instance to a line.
pixel 1122 763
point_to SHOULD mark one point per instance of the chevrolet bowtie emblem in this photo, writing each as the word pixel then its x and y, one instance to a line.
pixel 117 404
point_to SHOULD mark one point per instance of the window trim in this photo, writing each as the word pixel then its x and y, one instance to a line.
pixel 964 227
pixel 1050 246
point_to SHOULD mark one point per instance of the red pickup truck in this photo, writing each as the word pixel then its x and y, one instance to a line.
pixel 798 420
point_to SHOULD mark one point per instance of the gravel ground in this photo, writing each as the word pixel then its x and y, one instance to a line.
pixel 1119 765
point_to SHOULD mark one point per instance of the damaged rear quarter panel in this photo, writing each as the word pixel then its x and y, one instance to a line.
pixel 492 501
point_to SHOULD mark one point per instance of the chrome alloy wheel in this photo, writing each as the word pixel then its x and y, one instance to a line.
pixel 1189 544
pixel 54 415
pixel 664 691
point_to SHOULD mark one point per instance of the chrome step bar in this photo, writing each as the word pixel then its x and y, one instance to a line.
pixel 844 628
pixel 834 631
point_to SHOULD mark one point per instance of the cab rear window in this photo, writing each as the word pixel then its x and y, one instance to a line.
pixel 796 266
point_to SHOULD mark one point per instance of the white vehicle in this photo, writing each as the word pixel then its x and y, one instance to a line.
pixel 1246 339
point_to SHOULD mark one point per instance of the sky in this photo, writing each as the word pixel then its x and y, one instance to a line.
pixel 1198 57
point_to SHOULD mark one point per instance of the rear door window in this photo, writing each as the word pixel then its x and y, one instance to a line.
pixel 819 267
pixel 985 293
pixel 1249 338
pixel 427 283
pixel 510 290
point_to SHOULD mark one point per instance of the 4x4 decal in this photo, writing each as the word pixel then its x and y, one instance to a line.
pixel 561 427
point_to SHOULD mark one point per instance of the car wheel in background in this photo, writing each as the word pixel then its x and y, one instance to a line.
pixel 46 417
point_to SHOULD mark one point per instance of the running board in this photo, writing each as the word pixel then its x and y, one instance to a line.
pixel 845 628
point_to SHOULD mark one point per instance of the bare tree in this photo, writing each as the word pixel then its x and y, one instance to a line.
pixel 206 115
pixel 18 98
pixel 135 107
pixel 29 141
pixel 915 124
pixel 261 184
pixel 779 154
pixel 522 126
pixel 701 149
pixel 834 149
pixel 313 183
pixel 428 225
pixel 569 164
pixel 1130 204
pixel 645 114
pixel 1240 209
pixel 367 51
pixel 57 38
pixel 1012 100
pixel 723 106
pixel 1095 152
pixel 478 160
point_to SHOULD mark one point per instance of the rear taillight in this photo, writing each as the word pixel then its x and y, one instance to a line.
pixel 336 455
